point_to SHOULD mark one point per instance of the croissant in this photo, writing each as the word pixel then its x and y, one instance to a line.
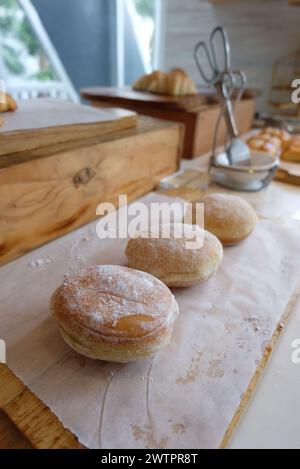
pixel 142 83
pixel 159 85
pixel 178 71
pixel 174 83
pixel 7 103
pixel 180 84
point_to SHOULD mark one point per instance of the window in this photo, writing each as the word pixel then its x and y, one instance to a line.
pixel 21 53
pixel 29 64
pixel 126 36
pixel 146 20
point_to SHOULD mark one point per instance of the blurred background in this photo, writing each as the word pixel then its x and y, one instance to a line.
pixel 56 47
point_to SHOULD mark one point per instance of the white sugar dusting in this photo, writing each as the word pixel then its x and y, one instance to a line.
pixel 224 207
pixel 40 262
pixel 164 256
pixel 103 295
pixel 76 260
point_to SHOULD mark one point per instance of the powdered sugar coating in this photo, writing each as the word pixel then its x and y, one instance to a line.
pixel 228 217
pixel 169 258
pixel 100 298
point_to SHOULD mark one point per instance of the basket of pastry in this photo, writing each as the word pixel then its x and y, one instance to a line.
pixel 277 142
pixel 175 83
pixel 270 140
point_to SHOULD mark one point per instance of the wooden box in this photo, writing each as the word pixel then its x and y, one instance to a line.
pixel 198 113
pixel 54 188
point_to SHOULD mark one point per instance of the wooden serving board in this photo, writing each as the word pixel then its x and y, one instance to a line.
pixel 128 96
pixel 43 122
pixel 26 422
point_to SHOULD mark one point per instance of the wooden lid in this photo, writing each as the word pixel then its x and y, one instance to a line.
pixel 122 96
pixel 44 122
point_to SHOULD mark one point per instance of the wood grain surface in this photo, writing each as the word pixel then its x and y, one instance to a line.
pixel 197 115
pixel 46 197
pixel 25 422
pixel 42 122
pixel 127 96
pixel 288 177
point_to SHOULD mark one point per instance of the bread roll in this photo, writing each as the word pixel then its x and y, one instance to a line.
pixel 292 153
pixel 276 141
pixel 228 217
pixel 280 134
pixel 171 261
pixel 113 313
pixel 270 140
pixel 261 144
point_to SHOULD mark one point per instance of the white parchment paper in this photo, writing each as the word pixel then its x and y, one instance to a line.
pixel 187 395
pixel 278 201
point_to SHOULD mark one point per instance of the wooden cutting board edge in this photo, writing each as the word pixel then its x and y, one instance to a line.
pixel 144 98
pixel 26 140
pixel 44 430
pixel 20 157
pixel 35 421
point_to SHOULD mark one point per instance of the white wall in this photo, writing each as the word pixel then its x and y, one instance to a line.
pixel 261 31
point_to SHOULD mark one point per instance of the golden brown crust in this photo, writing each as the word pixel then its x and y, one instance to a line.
pixel 263 144
pixel 232 241
pixel 228 217
pixel 115 313
pixel 178 72
pixel 7 103
pixel 143 83
pixel 171 261
pixel 270 140
pixel 281 134
pixel 174 83
pixel 292 152
pixel 122 353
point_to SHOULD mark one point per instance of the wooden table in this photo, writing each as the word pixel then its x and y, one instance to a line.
pixel 25 422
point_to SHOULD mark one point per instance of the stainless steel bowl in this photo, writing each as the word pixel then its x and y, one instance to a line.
pixel 250 176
